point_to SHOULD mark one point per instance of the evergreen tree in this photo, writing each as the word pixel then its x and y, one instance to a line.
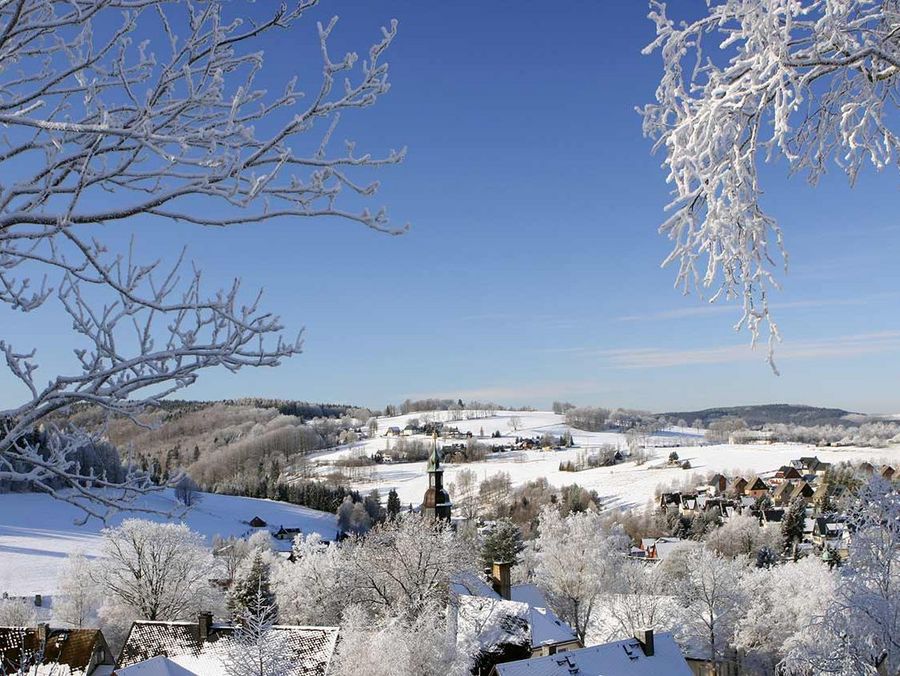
pixel 793 523
pixel 393 504
pixel 250 583
pixel 502 543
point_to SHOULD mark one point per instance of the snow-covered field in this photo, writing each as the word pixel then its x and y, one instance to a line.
pixel 37 533
pixel 623 485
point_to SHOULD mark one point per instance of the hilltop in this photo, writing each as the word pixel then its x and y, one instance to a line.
pixel 771 414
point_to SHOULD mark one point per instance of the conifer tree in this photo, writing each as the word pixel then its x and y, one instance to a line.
pixel 393 504
pixel 503 543
pixel 254 580
pixel 793 523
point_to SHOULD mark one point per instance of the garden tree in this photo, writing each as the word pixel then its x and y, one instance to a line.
pixel 187 492
pixel 707 587
pixel 372 426
pixel 514 423
pixel 229 554
pixel 573 558
pixel 502 543
pixel 78 599
pixel 251 584
pixel 814 82
pixel 393 503
pixel 464 489
pixel 14 613
pixel 310 590
pixel 101 128
pixel 256 648
pixel 157 571
pixel 397 646
pixel 353 518
pixel 403 567
pixel 741 536
pixel 673 456
pixel 637 598
pixel 793 523
pixel 860 630
pixel 782 604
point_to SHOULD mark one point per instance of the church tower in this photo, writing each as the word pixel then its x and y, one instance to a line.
pixel 437 503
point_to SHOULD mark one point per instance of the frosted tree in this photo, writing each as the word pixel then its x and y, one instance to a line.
pixel 78 598
pixel 640 600
pixel 812 81
pixel 711 599
pixel 157 571
pixel 793 524
pixel 782 605
pixel 151 111
pixel 15 613
pixel 403 567
pixel 257 648
pixel 396 646
pixel 310 590
pixel 860 631
pixel 573 560
pixel 742 536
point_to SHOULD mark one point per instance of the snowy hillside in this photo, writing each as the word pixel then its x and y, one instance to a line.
pixel 623 485
pixel 37 533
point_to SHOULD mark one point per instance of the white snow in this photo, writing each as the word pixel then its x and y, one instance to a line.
pixel 37 533
pixel 622 485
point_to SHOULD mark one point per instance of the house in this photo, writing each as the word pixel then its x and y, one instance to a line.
pixel 643 655
pixel 667 500
pixel 58 650
pixel 718 483
pixel 545 630
pixel 738 485
pixel 256 522
pixel 656 549
pixel 867 468
pixel 831 533
pixel 788 490
pixel 756 488
pixel 786 473
pixel 888 472
pixel 690 505
pixel 287 533
pixel 812 465
pixel 392 432
pixel 770 516
pixel 201 647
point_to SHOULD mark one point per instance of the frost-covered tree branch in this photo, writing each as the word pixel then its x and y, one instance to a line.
pixel 115 110
pixel 813 81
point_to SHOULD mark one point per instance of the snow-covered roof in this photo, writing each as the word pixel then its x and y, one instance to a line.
pixel 155 666
pixel 310 648
pixel 491 624
pixel 620 658
pixel 546 627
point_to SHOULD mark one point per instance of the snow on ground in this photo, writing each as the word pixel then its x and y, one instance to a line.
pixel 623 485
pixel 37 533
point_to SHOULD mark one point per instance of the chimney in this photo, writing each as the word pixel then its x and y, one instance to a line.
pixel 43 634
pixel 500 579
pixel 204 622
pixel 645 638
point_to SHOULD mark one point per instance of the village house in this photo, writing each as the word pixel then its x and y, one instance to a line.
pixel 393 431
pixel 738 485
pixel 756 488
pixel 644 655
pixel 830 533
pixel 287 533
pixel 656 549
pixel 786 473
pixel 888 472
pixel 200 647
pixel 42 649
pixel 256 522
pixel 718 484
pixel 537 631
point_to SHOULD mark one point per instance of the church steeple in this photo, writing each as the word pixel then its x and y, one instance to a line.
pixel 436 504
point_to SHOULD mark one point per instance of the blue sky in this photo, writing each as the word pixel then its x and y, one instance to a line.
pixel 531 270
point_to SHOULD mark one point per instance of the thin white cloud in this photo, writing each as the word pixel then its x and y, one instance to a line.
pixel 842 346
pixel 710 309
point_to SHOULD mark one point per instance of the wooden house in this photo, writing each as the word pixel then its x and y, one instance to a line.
pixel 756 488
